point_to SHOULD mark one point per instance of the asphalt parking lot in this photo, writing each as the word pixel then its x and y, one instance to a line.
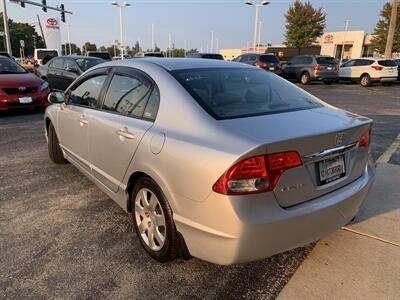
pixel 61 237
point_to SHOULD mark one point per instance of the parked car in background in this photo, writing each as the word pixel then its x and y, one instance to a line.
pixel 42 56
pixel 368 70
pixel 268 62
pixel 248 166
pixel 3 53
pixel 61 71
pixel 104 55
pixel 19 88
pixel 205 55
pixel 397 61
pixel 308 68
pixel 149 54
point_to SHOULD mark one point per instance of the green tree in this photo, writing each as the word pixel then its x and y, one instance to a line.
pixel 304 24
pixel 382 28
pixel 74 49
pixel 18 32
pixel 89 47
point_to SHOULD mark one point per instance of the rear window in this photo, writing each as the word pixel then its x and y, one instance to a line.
pixel 154 54
pixel 44 53
pixel 102 55
pixel 387 63
pixel 269 59
pixel 238 92
pixel 326 60
pixel 213 56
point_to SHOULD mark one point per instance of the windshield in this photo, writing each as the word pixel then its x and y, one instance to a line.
pixel 326 60
pixel 43 53
pixel 7 66
pixel 237 92
pixel 102 55
pixel 86 63
pixel 269 59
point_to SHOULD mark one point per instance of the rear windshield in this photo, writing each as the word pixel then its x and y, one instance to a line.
pixel 44 53
pixel 8 66
pixel 102 55
pixel 387 63
pixel 326 60
pixel 240 92
pixel 213 56
pixel 269 59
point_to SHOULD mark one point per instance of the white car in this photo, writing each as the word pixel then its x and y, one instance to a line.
pixel 369 70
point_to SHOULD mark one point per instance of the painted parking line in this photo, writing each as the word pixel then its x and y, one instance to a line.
pixel 385 157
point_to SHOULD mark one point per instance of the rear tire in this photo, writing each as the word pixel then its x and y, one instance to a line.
pixel 153 221
pixel 365 80
pixel 54 148
pixel 305 78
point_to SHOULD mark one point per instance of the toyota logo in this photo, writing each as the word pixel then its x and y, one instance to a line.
pixel 52 22
pixel 329 38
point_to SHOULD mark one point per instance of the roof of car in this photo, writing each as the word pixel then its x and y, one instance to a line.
pixel 172 64
pixel 77 56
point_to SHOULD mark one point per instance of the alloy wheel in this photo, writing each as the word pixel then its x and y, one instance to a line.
pixel 150 219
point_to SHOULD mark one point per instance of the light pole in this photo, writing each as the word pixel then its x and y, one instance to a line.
pixel 344 40
pixel 212 41
pixel 121 23
pixel 6 29
pixel 257 5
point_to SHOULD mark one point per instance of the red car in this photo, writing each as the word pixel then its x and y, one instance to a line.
pixel 19 88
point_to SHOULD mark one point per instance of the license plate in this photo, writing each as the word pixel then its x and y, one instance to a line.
pixel 329 68
pixel 25 100
pixel 332 169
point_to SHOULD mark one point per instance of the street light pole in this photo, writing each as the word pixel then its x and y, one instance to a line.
pixel 121 23
pixel 212 41
pixel 257 5
pixel 6 28
pixel 344 40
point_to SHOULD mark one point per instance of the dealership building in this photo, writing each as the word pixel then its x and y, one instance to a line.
pixel 356 44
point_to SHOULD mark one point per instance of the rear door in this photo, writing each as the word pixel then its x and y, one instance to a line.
pixel 54 74
pixel 119 125
pixel 345 69
pixel 69 73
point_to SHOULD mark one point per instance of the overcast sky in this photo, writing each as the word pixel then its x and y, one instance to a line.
pixel 192 20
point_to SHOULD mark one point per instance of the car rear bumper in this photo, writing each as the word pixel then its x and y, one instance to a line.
pixel 321 75
pixel 387 79
pixel 11 102
pixel 251 228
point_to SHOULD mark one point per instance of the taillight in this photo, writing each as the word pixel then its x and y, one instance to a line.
pixel 365 140
pixel 318 68
pixel 377 68
pixel 260 64
pixel 256 174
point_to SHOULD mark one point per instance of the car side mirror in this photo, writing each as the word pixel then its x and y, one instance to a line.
pixel 56 97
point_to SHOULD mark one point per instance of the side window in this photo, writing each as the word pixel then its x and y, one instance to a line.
pixel 88 92
pixel 308 60
pixel 239 59
pixel 152 105
pixel 295 60
pixel 127 95
pixel 57 63
pixel 69 65
pixel 350 63
pixel 252 58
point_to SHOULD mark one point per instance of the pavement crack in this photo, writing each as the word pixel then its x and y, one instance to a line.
pixel 371 236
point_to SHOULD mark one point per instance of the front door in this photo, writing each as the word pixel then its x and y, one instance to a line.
pixel 118 127
pixel 73 120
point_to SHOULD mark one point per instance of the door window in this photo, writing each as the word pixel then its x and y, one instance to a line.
pixel 57 63
pixel 88 92
pixel 152 105
pixel 127 96
pixel 70 65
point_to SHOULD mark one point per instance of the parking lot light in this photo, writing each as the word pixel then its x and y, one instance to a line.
pixel 257 5
pixel 121 22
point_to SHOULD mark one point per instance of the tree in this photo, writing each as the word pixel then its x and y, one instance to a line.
pixel 74 49
pixel 381 31
pixel 89 47
pixel 304 24
pixel 21 31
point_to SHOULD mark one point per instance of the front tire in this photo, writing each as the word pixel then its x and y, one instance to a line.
pixel 305 78
pixel 153 221
pixel 54 148
pixel 365 80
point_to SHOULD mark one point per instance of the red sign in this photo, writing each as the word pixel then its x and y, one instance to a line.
pixel 52 23
pixel 328 39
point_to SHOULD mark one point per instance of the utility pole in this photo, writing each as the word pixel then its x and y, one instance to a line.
pixel 6 28
pixel 41 31
pixel 392 28
pixel 217 45
pixel 69 41
pixel 212 41
pixel 259 33
pixel 344 40
pixel 152 37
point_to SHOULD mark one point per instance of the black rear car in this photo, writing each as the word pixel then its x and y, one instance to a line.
pixel 397 61
pixel 206 56
pixel 61 71
pixel 268 62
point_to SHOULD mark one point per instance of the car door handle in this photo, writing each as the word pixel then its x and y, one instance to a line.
pixel 123 132
pixel 83 120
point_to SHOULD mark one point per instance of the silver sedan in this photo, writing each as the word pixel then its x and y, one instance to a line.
pixel 217 160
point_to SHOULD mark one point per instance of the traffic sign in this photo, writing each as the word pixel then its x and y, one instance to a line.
pixel 22 43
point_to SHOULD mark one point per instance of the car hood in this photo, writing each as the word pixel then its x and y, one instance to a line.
pixel 300 125
pixel 18 80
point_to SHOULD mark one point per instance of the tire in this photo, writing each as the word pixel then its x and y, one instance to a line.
pixel 365 80
pixel 328 82
pixel 54 148
pixel 305 78
pixel 150 208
